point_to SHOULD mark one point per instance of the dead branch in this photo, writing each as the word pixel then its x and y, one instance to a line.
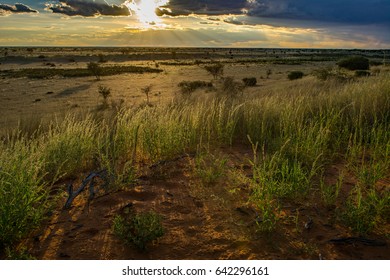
pixel 90 179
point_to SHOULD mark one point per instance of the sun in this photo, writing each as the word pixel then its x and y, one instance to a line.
pixel 146 10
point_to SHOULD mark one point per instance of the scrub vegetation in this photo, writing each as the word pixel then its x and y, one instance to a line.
pixel 295 135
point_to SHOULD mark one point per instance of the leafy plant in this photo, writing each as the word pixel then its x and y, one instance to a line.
pixel 138 229
pixel 23 192
pixel 364 210
pixel 330 193
pixel 209 168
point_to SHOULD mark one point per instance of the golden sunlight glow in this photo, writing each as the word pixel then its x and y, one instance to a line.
pixel 145 10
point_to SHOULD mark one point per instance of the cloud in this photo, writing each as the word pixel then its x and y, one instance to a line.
pixel 348 11
pixel 344 11
pixel 233 20
pixel 87 8
pixel 202 7
pixel 15 9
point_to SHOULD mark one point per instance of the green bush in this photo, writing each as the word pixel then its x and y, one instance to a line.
pixel 250 82
pixel 354 63
pixel 138 229
pixel 364 210
pixel 23 192
pixel 294 75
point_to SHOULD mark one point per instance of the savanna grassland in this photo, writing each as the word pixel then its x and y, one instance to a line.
pixel 194 154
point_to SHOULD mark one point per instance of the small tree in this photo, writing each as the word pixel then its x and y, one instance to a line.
pixel 95 69
pixel 105 92
pixel 147 90
pixel 216 70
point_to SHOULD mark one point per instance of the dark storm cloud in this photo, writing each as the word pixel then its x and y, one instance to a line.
pixel 15 9
pixel 204 7
pixel 88 8
pixel 348 11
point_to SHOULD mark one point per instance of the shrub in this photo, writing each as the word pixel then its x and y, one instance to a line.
pixel 138 229
pixel 95 69
pixel 216 70
pixel 362 73
pixel 354 63
pixel 250 82
pixel 324 74
pixel 294 75
pixel 102 59
pixel 364 211
pixel 188 87
pixel 105 92
pixel 268 73
pixel 147 90
pixel 230 87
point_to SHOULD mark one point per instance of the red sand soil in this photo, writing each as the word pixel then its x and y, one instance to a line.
pixel 200 222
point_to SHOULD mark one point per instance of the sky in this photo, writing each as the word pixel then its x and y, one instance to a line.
pixel 197 23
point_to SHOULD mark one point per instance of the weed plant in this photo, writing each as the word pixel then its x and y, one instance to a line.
pixel 210 168
pixel 138 229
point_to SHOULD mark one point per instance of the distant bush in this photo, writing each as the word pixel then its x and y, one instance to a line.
pixel 95 69
pixel 230 87
pixel 216 70
pixel 147 90
pixel 188 87
pixel 268 73
pixel 354 63
pixel 105 92
pixel 362 73
pixel 324 74
pixel 102 59
pixel 249 82
pixel 294 75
